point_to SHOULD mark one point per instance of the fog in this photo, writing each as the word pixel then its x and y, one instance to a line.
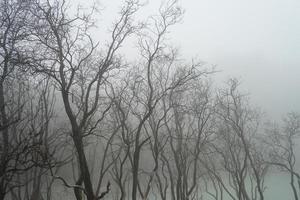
pixel 256 41
pixel 150 100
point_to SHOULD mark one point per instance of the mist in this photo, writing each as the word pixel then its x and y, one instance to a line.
pixel 167 100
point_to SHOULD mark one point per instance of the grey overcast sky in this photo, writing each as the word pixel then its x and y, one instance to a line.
pixel 257 41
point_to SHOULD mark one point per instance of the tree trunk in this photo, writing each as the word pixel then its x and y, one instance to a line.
pixel 135 171
pixel 84 171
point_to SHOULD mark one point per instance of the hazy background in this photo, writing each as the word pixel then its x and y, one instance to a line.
pixel 257 41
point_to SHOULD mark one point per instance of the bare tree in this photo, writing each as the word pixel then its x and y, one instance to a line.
pixel 69 57
pixel 238 130
pixel 154 52
pixel 188 128
pixel 282 143
pixel 152 125
pixel 25 115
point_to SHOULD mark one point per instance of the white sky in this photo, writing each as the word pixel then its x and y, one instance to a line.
pixel 257 41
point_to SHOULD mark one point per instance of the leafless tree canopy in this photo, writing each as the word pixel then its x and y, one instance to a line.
pixel 77 115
